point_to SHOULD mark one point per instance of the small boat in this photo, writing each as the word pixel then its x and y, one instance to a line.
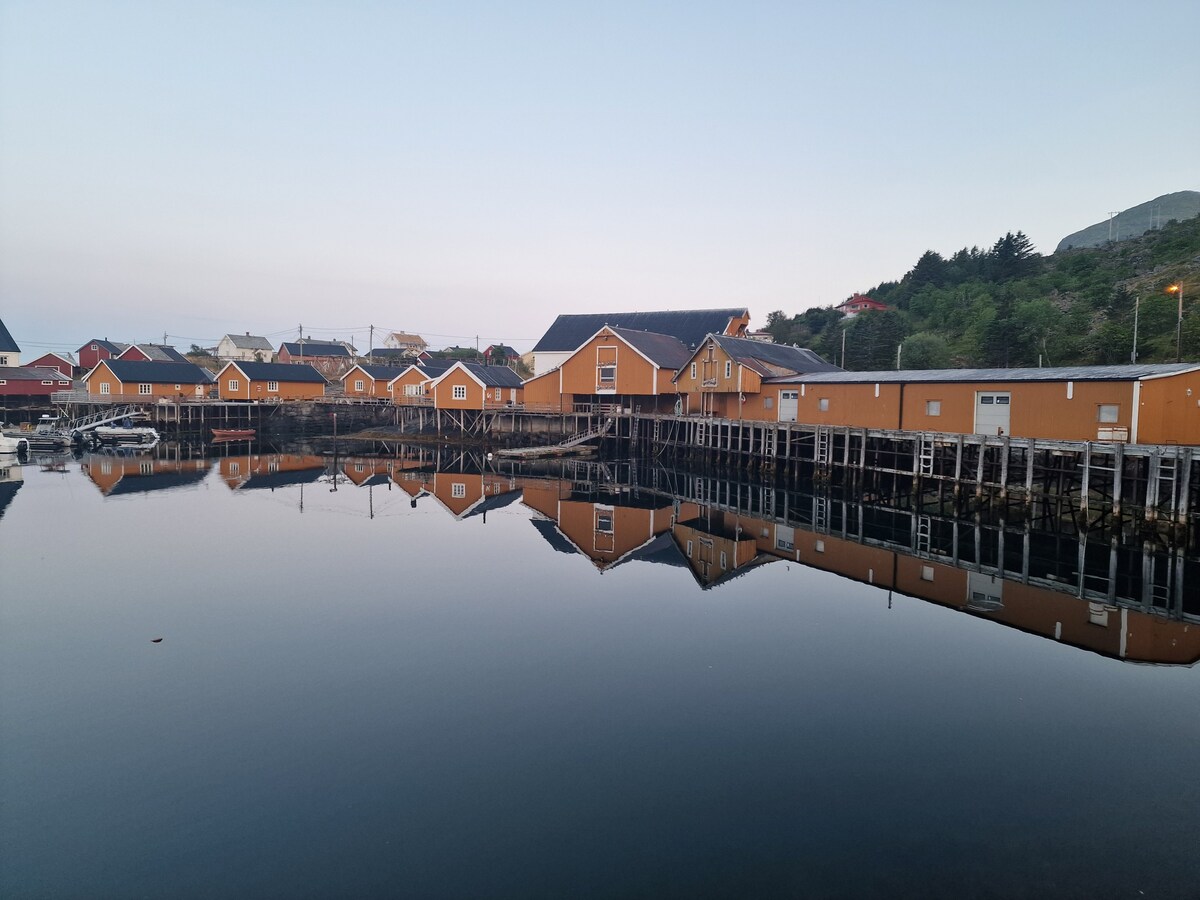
pixel 233 434
pixel 13 443
pixel 125 435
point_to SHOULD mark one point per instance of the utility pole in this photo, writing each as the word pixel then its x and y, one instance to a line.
pixel 300 339
pixel 371 345
pixel 1137 302
pixel 899 347
pixel 843 347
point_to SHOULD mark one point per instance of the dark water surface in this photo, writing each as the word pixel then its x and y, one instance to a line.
pixel 359 696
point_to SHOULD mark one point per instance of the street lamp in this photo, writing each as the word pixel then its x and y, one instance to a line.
pixel 1177 290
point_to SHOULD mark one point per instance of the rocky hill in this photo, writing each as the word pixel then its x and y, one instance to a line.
pixel 1136 221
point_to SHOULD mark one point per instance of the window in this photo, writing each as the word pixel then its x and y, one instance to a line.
pixel 823 404
pixel 234 384
pixel 927 573
pixel 458 489
pixel 724 560
pixel 693 371
pixel 1108 412
pixel 1002 399
pixel 3 360
pixel 819 546
pixel 499 394
pixel 178 387
pixel 3 381
pixel 273 387
pixel 94 347
pixel 358 384
pixel 144 389
pixel 728 368
pixel 933 407
pixel 689 549
pixel 48 382
pixel 768 402
pixel 412 390
pixel 235 468
pixel 460 392
pixel 105 388
pixel 604 522
pixel 607 374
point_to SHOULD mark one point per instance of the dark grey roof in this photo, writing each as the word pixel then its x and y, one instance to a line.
pixel 1061 373
pixel 129 370
pixel 249 342
pixel 548 529
pixel 688 325
pixel 780 356
pixel 7 344
pixel 161 352
pixel 31 373
pixel 116 348
pixel 133 483
pixel 272 480
pixel 315 348
pixel 8 491
pixel 661 349
pixel 493 376
pixel 435 367
pixel 385 373
pixel 491 502
pixel 662 550
pixel 263 371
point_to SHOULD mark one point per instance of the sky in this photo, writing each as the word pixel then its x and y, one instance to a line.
pixel 470 171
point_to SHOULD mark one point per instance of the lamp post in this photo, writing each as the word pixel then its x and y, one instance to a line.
pixel 1177 290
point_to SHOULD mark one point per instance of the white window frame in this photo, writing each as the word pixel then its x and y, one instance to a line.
pixel 273 387
pixel 729 368
pixel 459 392
pixel 1108 413
pixel 51 382
pixel 499 395
pixel 610 368
pixel 234 385
pixel 933 407
pixel 458 490
pixel 823 404
pixel 359 385
pixel 105 388
pixel 144 390
pixel 693 371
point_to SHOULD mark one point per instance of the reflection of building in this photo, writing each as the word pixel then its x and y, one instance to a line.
pixel 716 550
pixel 115 475
pixel 462 494
pixel 1034 585
pixel 362 472
pixel 606 527
pixel 11 479
pixel 270 471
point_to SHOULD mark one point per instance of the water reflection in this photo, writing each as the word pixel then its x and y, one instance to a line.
pixel 1120 595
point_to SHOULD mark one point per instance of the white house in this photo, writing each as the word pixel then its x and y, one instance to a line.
pixel 245 348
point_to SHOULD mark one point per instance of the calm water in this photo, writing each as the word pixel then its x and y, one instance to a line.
pixel 457 685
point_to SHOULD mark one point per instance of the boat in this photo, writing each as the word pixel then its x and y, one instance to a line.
pixel 233 434
pixel 125 435
pixel 11 442
pixel 50 433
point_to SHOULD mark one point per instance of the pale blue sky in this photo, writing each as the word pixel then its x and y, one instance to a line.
pixel 459 169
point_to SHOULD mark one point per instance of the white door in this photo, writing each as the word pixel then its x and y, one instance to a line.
pixel 789 403
pixel 991 412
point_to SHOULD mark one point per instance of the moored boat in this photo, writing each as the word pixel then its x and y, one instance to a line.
pixel 233 434
pixel 13 443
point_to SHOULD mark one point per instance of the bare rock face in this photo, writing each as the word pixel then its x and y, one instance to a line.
pixel 1136 220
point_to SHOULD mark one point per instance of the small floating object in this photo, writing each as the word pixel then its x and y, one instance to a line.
pixel 156 640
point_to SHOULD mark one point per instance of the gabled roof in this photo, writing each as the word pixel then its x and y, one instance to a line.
pixel 1062 373
pixel 31 373
pixel 65 357
pixel 249 342
pixel 159 352
pixel 767 359
pixel 488 376
pixel 116 348
pixel 391 353
pixel 403 337
pixel 379 373
pixel 569 332
pixel 263 371
pixel 499 348
pixel 7 344
pixel 315 348
pixel 661 349
pixel 129 371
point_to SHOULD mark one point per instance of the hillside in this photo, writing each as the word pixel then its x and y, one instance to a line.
pixel 1010 306
pixel 1136 220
